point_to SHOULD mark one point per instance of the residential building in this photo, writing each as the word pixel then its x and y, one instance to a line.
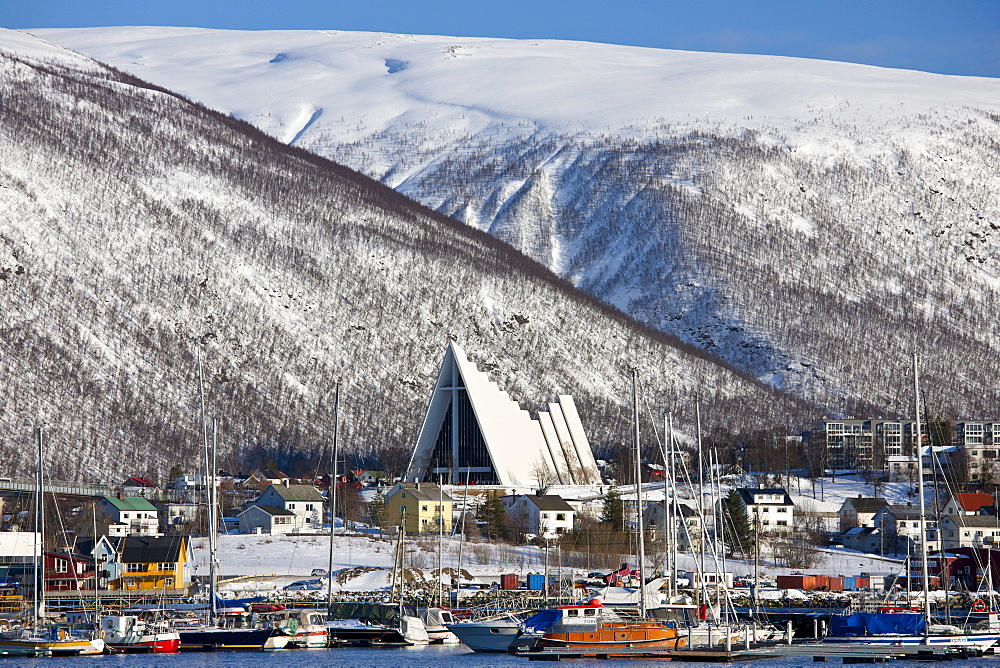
pixel 970 503
pixel 974 531
pixel 19 553
pixel 544 515
pixel 768 510
pixel 900 525
pixel 867 539
pixel 68 571
pixel 688 525
pixel 151 563
pixel 263 478
pixel 130 516
pixel 859 512
pixel 420 507
pixel 865 444
pixel 304 501
pixel 179 517
pixel 267 519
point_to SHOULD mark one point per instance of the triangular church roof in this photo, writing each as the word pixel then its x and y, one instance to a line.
pixel 499 441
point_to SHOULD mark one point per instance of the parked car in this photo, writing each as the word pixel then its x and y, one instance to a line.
pixel 318 572
pixel 304 585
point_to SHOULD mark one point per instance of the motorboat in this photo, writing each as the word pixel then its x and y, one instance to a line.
pixel 436 621
pixel 302 628
pixel 130 634
pixel 586 627
pixel 493 634
pixel 54 641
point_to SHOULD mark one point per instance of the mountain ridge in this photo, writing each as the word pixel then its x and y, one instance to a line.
pixel 138 228
pixel 792 217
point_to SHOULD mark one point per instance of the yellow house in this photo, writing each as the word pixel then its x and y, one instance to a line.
pixel 420 507
pixel 155 563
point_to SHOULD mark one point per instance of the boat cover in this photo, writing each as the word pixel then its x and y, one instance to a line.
pixel 372 612
pixel 542 621
pixel 876 624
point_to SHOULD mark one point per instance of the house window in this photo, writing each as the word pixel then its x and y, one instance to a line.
pixel 309 507
pixel 164 567
pixel 135 568
pixel 168 582
pixel 782 510
pixel 423 508
pixel 291 506
pixel 60 566
pixel 782 523
pixel 560 517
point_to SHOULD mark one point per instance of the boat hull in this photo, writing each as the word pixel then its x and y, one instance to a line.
pixel 485 636
pixel 158 643
pixel 223 639
pixel 43 647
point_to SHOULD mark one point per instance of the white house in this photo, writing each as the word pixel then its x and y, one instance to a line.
pixel 304 501
pixel 130 516
pixel 901 527
pixel 688 524
pixel 859 512
pixel 267 519
pixel 979 531
pixel 768 509
pixel 545 515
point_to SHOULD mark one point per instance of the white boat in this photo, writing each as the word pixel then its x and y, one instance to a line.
pixel 436 621
pixel 302 628
pixel 489 635
pixel 129 633
pixel 58 642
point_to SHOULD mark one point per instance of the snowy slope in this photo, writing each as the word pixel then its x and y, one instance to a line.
pixel 810 222
pixel 138 229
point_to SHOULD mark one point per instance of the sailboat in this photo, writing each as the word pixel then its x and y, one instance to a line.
pixel 587 627
pixel 910 628
pixel 212 636
pixel 39 639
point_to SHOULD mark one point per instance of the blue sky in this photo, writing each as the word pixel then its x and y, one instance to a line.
pixel 944 36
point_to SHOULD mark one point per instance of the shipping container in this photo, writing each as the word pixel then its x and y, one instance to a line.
pixel 509 581
pixel 850 583
pixel 536 581
pixel 864 582
pixel 836 583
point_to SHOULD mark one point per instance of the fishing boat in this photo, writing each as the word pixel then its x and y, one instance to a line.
pixel 131 634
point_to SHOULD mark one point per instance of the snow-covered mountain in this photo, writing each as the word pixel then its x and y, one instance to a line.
pixel 810 222
pixel 138 228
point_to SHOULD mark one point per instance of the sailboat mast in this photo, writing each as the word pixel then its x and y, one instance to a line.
pixel 440 542
pixel 39 575
pixel 920 481
pixel 668 541
pixel 638 493
pixel 332 493
pixel 214 524
pixel 702 529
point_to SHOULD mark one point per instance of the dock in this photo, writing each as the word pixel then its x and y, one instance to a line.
pixel 850 653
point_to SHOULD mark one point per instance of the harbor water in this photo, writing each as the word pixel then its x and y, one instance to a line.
pixel 429 656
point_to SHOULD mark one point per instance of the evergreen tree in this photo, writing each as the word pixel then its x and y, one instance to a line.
pixel 614 511
pixel 175 472
pixel 494 516
pixel 734 516
pixel 376 510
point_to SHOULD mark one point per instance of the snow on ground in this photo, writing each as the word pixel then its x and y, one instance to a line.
pixel 323 86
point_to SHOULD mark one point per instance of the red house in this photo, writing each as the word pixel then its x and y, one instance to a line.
pixel 68 572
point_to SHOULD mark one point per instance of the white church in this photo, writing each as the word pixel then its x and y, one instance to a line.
pixel 473 431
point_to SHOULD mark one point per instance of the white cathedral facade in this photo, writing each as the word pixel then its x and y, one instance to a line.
pixel 474 431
